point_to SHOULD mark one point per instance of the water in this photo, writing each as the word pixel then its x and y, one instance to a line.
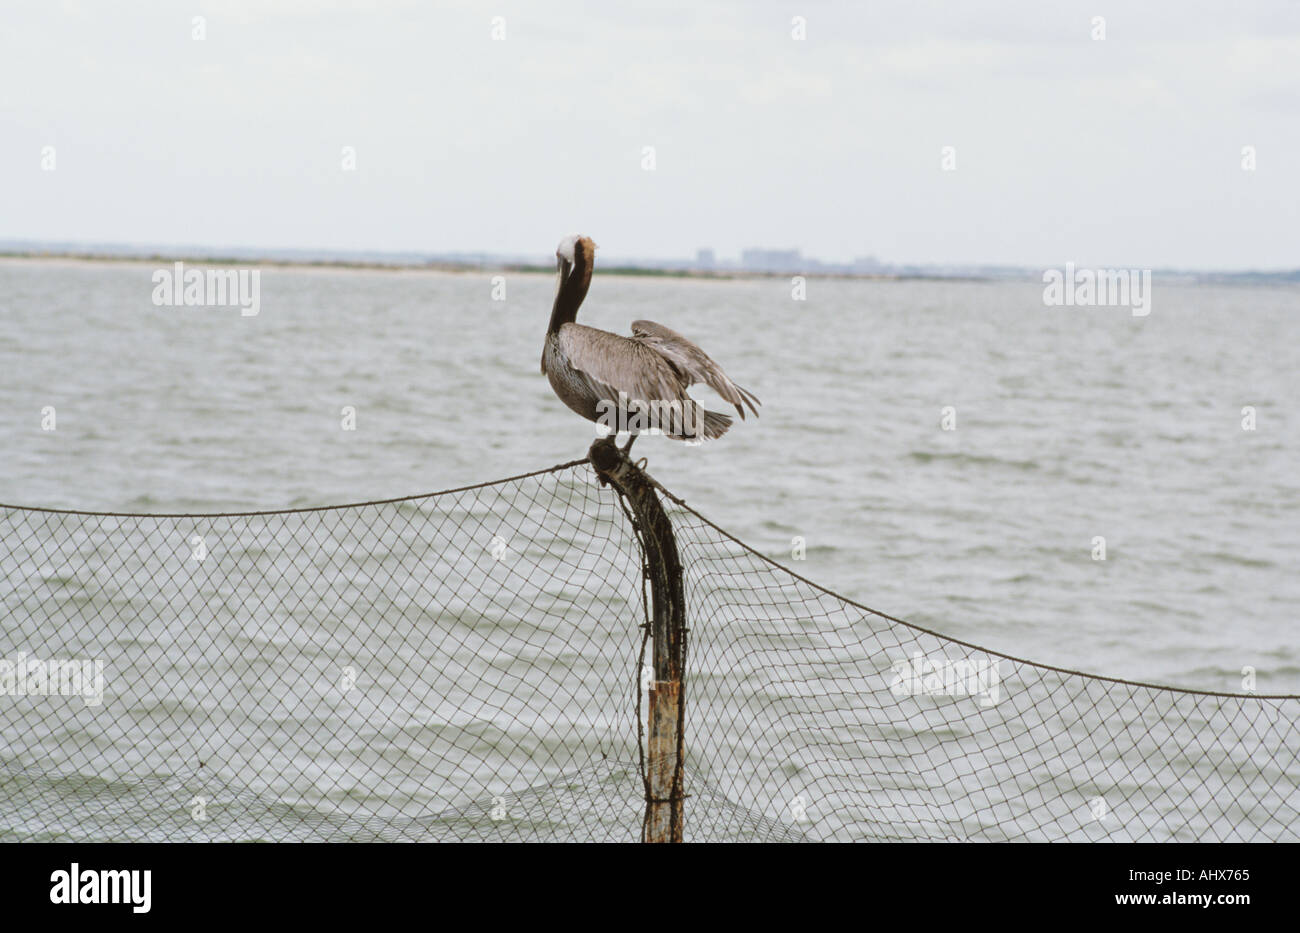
pixel 1070 424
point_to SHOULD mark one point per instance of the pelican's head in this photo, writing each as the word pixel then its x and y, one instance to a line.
pixel 574 252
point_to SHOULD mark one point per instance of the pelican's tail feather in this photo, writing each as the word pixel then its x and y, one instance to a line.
pixel 709 424
pixel 715 424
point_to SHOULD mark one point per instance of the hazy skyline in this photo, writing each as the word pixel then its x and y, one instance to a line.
pixel 1125 151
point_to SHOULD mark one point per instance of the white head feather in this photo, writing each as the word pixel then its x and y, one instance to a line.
pixel 566 247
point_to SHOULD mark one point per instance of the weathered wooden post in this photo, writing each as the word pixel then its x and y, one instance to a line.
pixel 665 746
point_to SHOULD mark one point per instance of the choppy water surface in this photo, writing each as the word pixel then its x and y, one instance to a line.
pixel 1071 424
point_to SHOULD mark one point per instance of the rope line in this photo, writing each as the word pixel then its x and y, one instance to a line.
pixel 558 468
pixel 957 641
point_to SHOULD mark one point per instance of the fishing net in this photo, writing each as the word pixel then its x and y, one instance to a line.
pixel 472 665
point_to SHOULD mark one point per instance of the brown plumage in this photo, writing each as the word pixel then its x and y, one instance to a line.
pixel 641 379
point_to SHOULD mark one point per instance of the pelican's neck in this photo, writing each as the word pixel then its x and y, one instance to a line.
pixel 565 309
pixel 571 287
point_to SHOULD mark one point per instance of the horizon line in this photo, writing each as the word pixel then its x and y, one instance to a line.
pixel 793 261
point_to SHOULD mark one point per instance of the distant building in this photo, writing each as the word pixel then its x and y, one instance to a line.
pixel 771 260
pixel 704 259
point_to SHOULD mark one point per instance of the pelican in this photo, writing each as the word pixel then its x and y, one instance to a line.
pixel 632 384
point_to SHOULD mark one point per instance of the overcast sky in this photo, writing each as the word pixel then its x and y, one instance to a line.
pixel 1125 152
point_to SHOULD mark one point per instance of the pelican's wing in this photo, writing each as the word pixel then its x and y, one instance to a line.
pixel 694 364
pixel 613 364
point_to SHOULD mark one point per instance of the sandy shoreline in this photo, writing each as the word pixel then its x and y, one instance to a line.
pixel 436 267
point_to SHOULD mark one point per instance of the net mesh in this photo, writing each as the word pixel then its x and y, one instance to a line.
pixel 470 665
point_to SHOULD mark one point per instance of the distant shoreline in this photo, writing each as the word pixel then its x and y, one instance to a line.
pixel 464 267
pixel 455 267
